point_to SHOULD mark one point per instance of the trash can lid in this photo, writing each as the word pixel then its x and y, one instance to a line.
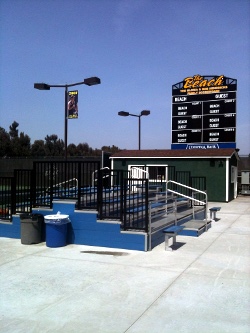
pixel 56 217
pixel 30 216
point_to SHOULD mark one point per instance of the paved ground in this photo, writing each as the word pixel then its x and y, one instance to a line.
pixel 201 287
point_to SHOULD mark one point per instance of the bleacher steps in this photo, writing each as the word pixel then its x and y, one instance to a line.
pixel 195 227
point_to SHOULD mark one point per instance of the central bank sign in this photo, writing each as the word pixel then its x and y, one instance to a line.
pixel 204 113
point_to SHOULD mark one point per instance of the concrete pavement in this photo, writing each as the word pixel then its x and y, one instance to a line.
pixel 202 286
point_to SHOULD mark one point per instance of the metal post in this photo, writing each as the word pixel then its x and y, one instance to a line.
pixel 149 228
pixel 66 124
pixel 139 132
pixel 43 86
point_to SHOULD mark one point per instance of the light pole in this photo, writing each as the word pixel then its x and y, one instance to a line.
pixel 143 113
pixel 91 81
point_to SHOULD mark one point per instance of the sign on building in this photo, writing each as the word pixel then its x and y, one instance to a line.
pixel 204 112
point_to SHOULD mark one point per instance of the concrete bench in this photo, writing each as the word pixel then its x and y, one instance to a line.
pixel 171 232
pixel 213 212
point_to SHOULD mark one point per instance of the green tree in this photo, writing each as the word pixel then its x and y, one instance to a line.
pixel 13 130
pixel 83 149
pixel 38 148
pixel 24 141
pixel 72 150
pixel 19 145
pixel 54 146
pixel 15 145
pixel 111 150
pixel 4 143
pixel 97 152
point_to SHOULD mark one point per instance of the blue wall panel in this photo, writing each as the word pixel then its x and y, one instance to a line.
pixel 83 229
pixel 12 229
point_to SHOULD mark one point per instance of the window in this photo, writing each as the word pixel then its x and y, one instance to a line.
pixel 157 172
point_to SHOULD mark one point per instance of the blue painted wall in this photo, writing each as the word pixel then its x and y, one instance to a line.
pixel 11 229
pixel 83 229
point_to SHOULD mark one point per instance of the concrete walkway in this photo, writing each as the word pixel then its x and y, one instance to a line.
pixel 201 287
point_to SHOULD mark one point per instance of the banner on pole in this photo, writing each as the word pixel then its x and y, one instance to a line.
pixel 73 104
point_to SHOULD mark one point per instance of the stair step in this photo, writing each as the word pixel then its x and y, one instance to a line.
pixel 195 224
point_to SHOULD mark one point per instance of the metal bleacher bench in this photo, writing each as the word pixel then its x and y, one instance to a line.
pixel 213 212
pixel 154 205
pixel 171 232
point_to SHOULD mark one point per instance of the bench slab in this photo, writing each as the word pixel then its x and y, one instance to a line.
pixel 213 212
pixel 215 209
pixel 173 229
pixel 171 232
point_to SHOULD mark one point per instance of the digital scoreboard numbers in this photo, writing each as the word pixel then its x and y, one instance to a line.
pixel 204 113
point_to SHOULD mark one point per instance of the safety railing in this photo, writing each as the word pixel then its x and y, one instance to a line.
pixel 95 178
pixel 65 180
pixel 138 173
pixel 110 193
pixel 135 203
pixel 7 197
pixel 193 192
pixel 160 210
pixel 63 187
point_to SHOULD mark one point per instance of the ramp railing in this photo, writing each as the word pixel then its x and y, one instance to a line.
pixel 192 198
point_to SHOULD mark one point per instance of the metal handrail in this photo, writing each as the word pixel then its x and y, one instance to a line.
pixel 65 182
pixel 188 197
pixel 190 188
pixel 95 179
pixel 194 190
pixel 140 170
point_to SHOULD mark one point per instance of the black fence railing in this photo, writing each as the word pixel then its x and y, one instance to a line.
pixel 48 181
pixel 136 198
pixel 23 179
pixel 65 179
pixel 124 199
pixel 7 197
pixel 113 193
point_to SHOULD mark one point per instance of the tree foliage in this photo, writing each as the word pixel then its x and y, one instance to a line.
pixel 4 143
pixel 13 130
pixel 13 144
pixel 38 148
pixel 54 146
pixel 111 150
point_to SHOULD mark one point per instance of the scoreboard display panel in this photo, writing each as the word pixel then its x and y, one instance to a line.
pixel 204 112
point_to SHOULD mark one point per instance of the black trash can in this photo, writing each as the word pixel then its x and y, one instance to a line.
pixel 31 228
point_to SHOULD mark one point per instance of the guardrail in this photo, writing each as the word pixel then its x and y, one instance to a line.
pixel 161 207
pixel 7 197
pixel 194 191
pixel 96 172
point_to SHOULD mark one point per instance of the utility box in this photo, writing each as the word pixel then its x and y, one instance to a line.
pixel 245 182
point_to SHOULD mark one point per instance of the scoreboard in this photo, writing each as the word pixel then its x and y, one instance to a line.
pixel 204 113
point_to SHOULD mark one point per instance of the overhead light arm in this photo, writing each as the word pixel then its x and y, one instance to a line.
pixel 143 113
pixel 91 81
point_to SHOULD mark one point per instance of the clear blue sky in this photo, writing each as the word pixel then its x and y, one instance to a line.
pixel 138 48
